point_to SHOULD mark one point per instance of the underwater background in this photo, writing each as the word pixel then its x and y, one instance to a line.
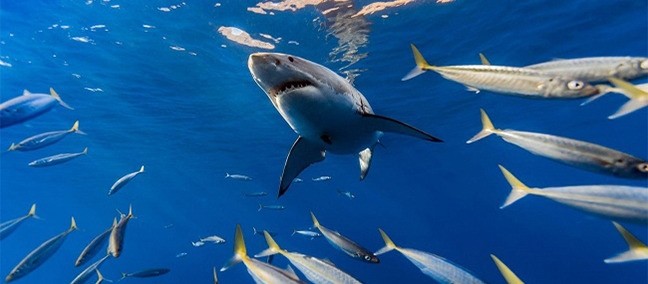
pixel 155 83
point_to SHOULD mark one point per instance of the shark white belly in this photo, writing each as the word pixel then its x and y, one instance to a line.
pixel 327 112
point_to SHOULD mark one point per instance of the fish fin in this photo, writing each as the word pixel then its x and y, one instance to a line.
pixel 603 90
pixel 12 147
pixel 260 207
pixel 389 244
pixel 483 59
pixel 328 261
pixel 255 231
pixel 628 89
pixel 114 222
pixel 100 277
pixel 141 170
pixel 386 124
pixel 85 151
pixel 32 212
pixel 273 247
pixel 472 89
pixel 130 210
pixel 240 251
pixel 75 128
pixel 316 223
pixel 518 189
pixel 636 249
pixel 73 225
pixel 487 128
pixel 364 158
pixel 227 175
pixel 508 275
pixel 629 107
pixel 421 64
pixel 290 271
pixel 302 154
pixel 124 275
pixel 26 93
pixel 58 98
pixel 215 275
pixel 294 231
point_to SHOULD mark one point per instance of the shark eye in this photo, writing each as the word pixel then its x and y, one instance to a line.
pixel 291 59
pixel 575 85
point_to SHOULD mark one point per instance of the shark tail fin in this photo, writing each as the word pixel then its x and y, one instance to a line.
pixel 56 96
pixel 483 59
pixel 508 275
pixel 316 223
pixel 273 247
pixel 389 244
pixel 240 252
pixel 487 128
pixel 635 247
pixel 518 189
pixel 638 97
pixel 421 64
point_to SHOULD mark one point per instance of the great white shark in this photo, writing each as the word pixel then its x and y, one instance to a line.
pixel 324 109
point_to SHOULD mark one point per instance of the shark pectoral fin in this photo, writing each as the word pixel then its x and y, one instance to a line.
pixel 302 154
pixel 386 124
pixel 365 162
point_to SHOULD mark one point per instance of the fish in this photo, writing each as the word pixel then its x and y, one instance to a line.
pixel 439 268
pixel 116 239
pixel 87 273
pixel 39 255
pixel 121 182
pixel 57 159
pixel 100 277
pixel 307 233
pixel 614 202
pixel 146 273
pixel 324 109
pixel 579 154
pixel 596 69
pixel 255 194
pixel 215 275
pixel 271 207
pixel 507 80
pixel 315 270
pixel 344 244
pixel 261 272
pixel 213 239
pixel 296 180
pixel 28 106
pixel 198 244
pixel 508 275
pixel 636 249
pixel 238 177
pixel 94 246
pixel 182 254
pixel 44 139
pixel 348 194
pixel 10 226
pixel 322 178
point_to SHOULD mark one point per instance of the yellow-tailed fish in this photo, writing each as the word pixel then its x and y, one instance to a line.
pixel 609 201
pixel 94 246
pixel 572 152
pixel 508 275
pixel 507 80
pixel 344 244
pixel 316 270
pixel 261 272
pixel 439 268
pixel 39 255
pixel 57 159
pixel 116 240
pixel 636 249
pixel 596 69
pixel 44 139
pixel 8 227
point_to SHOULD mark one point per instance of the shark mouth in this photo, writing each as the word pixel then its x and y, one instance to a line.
pixel 290 86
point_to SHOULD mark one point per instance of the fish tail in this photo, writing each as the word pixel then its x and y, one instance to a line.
pixel 487 128
pixel 260 207
pixel 227 175
pixel 508 275
pixel 75 128
pixel 58 98
pixel 634 246
pixel 294 232
pixel 141 170
pixel 73 225
pixel 32 212
pixel 124 275
pixel 255 231
pixel 637 97
pixel 316 223
pixel 518 189
pixel 421 65
pixel 130 210
pixel 389 244
pixel 273 247
pixel 240 252
pixel 12 147
pixel 85 151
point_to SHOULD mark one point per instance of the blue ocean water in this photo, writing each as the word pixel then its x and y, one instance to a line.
pixel 164 89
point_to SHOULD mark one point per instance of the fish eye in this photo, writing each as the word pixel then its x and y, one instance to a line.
pixel 291 59
pixel 366 257
pixel 643 167
pixel 575 85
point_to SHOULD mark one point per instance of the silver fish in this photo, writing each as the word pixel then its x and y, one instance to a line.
pixel 507 80
pixel 255 194
pixel 344 244
pixel 182 254
pixel 271 207
pixel 307 233
pixel 198 244
pixel 57 159
pixel 636 249
pixel 116 240
pixel 39 255
pixel 439 268
pixel 261 272
pixel 638 95
pixel 100 278
pixel 44 139
pixel 213 239
pixel 615 202
pixel 322 178
pixel 596 69
pixel 146 273
pixel 8 227
pixel 569 151
pixel 86 273
pixel 238 177
pixel 348 194
pixel 316 270
pixel 28 106
pixel 94 246
pixel 121 182
pixel 215 275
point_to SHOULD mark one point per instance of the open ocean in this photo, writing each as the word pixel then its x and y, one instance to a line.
pixel 155 83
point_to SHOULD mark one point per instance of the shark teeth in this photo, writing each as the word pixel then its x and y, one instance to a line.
pixel 290 86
